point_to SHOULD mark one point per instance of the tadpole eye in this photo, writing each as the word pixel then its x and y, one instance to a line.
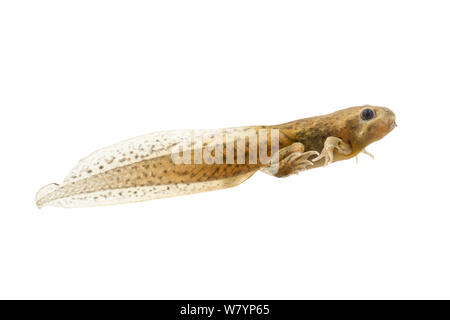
pixel 367 114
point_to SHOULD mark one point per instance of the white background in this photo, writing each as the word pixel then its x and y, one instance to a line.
pixel 76 76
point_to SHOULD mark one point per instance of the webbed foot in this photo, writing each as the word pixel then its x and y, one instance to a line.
pixel 290 160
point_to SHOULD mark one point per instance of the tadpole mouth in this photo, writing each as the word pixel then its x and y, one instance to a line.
pixel 393 125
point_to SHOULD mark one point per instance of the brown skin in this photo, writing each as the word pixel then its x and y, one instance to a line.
pixel 296 138
pixel 345 124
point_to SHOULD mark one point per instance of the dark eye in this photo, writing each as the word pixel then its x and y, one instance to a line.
pixel 367 114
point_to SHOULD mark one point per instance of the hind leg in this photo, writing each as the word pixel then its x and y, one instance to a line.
pixel 290 160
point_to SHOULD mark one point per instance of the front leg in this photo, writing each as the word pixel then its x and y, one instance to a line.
pixel 289 160
pixel 331 144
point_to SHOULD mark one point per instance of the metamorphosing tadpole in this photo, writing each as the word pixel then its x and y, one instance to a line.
pixel 172 163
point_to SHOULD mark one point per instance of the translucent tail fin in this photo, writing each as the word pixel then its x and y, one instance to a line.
pixel 44 191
